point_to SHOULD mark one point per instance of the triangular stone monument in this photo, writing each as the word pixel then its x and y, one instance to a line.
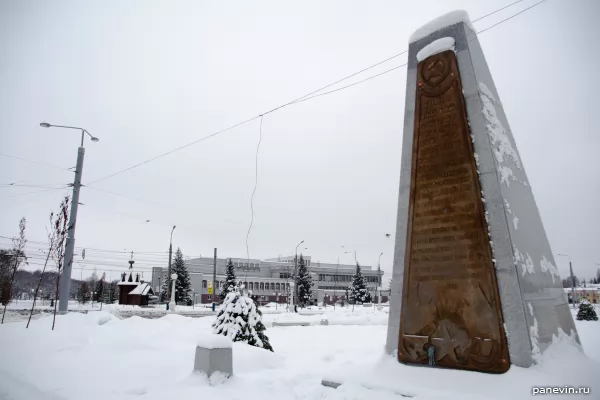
pixel 474 284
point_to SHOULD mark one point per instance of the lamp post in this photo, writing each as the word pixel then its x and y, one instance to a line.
pixel 296 270
pixel 170 256
pixel 379 280
pixel 572 278
pixel 172 302
pixel 336 277
pixel 65 279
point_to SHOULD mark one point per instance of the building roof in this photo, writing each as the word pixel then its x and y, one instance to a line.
pixel 582 289
pixel 142 289
pixel 127 283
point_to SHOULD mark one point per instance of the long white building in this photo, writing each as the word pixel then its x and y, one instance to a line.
pixel 270 279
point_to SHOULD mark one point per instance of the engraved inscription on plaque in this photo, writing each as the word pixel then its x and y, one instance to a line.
pixel 451 314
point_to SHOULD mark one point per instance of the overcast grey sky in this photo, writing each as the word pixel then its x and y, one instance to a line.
pixel 147 77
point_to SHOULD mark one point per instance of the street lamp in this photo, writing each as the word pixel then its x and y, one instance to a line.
pixel 379 269
pixel 572 278
pixel 170 254
pixel 336 277
pixel 379 278
pixel 65 280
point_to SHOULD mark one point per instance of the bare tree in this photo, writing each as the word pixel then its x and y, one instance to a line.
pixel 58 252
pixel 18 255
pixel 52 238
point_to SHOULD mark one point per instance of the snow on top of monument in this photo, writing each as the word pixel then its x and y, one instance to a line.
pixel 435 47
pixel 214 341
pixel 451 18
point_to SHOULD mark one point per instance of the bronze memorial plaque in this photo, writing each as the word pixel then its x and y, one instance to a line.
pixel 451 314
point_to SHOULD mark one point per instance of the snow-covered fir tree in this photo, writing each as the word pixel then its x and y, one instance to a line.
pixel 164 288
pixel 358 290
pixel 230 281
pixel 304 284
pixel 240 320
pixel 586 312
pixel 183 285
pixel 99 290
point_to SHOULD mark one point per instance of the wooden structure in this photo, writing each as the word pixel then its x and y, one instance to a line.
pixel 132 292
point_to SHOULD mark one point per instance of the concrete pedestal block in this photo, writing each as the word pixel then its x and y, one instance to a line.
pixel 214 360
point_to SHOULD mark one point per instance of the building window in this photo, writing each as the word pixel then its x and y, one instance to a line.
pixel 255 285
pixel 272 286
pixel 287 287
pixel 251 286
pixel 262 286
pixel 278 287
pixel 204 284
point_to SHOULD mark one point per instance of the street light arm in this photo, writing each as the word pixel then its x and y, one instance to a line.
pixel 47 125
pixel 63 126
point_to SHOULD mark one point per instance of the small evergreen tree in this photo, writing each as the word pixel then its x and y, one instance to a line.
pixel 240 320
pixel 586 312
pixel 358 290
pixel 304 284
pixel 83 293
pixel 230 281
pixel 183 285
pixel 164 288
pixel 113 292
pixel 100 286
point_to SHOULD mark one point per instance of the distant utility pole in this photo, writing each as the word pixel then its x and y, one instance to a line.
pixel 296 271
pixel 170 257
pixel 65 278
pixel 572 279
pixel 214 285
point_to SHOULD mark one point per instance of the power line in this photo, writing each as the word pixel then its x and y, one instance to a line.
pixel 353 84
pixel 31 186
pixel 34 162
pixel 37 191
pixel 512 16
pixel 306 97
pixel 174 150
pixel 126 197
pixel 496 11
pixel 95 249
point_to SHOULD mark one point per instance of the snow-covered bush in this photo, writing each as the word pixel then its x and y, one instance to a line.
pixel 239 319
pixel 586 312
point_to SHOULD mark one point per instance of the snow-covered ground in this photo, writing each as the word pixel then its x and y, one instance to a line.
pixel 99 356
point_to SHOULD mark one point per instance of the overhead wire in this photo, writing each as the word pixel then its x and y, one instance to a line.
pixel 37 191
pixel 306 97
pixel 298 100
pixel 496 11
pixel 511 17
pixel 34 162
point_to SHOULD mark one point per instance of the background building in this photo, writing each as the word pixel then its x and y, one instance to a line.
pixel 270 279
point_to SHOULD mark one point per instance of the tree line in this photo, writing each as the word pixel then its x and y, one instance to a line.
pixel 567 283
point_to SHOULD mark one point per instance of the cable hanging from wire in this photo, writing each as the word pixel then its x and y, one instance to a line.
pixel 252 196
